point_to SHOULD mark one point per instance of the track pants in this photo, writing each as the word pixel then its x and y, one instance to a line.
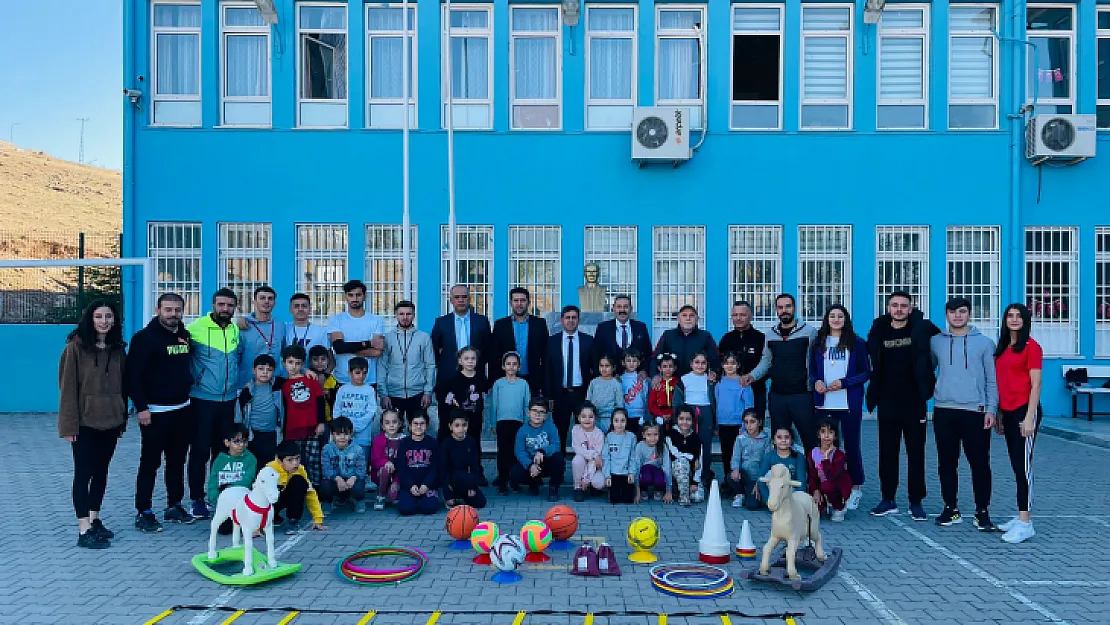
pixel 951 428
pixel 896 422
pixel 212 424
pixel 1020 450
pixel 794 411
pixel 168 434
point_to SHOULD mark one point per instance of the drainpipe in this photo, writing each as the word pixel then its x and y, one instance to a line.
pixel 129 120
pixel 1017 121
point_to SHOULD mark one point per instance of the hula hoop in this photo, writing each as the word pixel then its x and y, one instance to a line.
pixel 382 577
pixel 692 581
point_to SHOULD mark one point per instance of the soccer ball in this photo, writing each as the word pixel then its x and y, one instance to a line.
pixel 507 553
pixel 643 534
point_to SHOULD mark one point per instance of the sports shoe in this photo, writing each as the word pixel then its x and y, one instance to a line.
pixel 147 523
pixel 200 510
pixel 292 526
pixel 917 512
pixel 502 489
pixel 950 516
pixel 278 520
pixel 1019 532
pixel 579 495
pixel 379 503
pixel 983 522
pixel 837 516
pixel 698 496
pixel 178 514
pixel 89 540
pixel 1009 525
pixel 738 501
pixel 884 508
pixel 360 507
pixel 853 499
pixel 101 531
pixel 553 494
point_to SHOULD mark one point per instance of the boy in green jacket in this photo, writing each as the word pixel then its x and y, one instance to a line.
pixel 235 467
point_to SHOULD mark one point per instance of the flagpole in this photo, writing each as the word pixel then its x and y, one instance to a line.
pixel 406 219
pixel 452 227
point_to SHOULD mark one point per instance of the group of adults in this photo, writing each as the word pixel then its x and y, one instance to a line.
pixel 183 382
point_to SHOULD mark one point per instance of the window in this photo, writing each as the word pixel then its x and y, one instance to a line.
pixel 1051 63
pixel 471 34
pixel 826 67
pixel 535 72
pixel 678 276
pixel 321 260
pixel 972 67
pixel 322 69
pixel 176 252
pixel 824 269
pixel 610 66
pixel 902 264
pixel 474 265
pixel 245 88
pixel 679 71
pixel 613 249
pixel 973 256
pixel 385 89
pixel 176 64
pixel 755 270
pixel 1052 287
pixel 1102 292
pixel 903 68
pixel 535 256
pixel 385 268
pixel 1104 68
pixel 756 67
pixel 245 258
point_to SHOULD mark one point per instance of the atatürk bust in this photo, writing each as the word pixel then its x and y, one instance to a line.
pixel 592 297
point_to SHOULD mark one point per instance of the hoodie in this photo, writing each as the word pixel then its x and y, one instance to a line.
pixel 159 367
pixel 921 331
pixel 965 372
pixel 91 394
pixel 345 463
pixel 748 453
pixel 789 350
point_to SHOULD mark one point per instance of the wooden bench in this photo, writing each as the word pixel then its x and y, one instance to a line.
pixel 1094 387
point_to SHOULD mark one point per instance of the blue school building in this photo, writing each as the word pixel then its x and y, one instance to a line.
pixel 697 152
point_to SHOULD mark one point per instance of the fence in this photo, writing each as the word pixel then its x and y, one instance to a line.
pixel 53 295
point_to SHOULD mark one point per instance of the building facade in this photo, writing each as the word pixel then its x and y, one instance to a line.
pixel 836 160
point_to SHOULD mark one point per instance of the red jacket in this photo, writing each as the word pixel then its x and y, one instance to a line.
pixel 835 470
pixel 661 400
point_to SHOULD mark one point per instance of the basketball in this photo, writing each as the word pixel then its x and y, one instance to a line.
pixel 562 521
pixel 536 536
pixel 507 553
pixel 643 534
pixel 461 521
pixel 484 535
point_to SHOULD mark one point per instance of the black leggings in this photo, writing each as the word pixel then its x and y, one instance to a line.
pixel 291 499
pixel 92 453
pixel 1020 449
pixel 506 454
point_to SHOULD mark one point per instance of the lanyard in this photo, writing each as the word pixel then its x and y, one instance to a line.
pixel 297 340
pixel 269 341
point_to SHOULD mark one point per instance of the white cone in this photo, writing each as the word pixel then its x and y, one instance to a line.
pixel 714 548
pixel 745 549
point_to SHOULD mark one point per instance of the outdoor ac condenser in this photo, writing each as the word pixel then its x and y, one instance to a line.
pixel 661 133
pixel 1060 136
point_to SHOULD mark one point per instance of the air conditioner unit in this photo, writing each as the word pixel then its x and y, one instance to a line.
pixel 661 133
pixel 1060 136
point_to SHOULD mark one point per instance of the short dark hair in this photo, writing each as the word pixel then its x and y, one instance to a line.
pixel 265 359
pixel 318 350
pixel 957 303
pixel 351 285
pixel 242 430
pixel 519 290
pixel 743 302
pixel 225 292
pixel 288 449
pixel 570 308
pixel 899 293
pixel 265 288
pixel 358 363
pixel 459 413
pixel 341 425
pixel 416 414
pixel 623 296
pixel 786 296
pixel 297 296
pixel 759 416
pixel 538 402
pixel 404 304
pixel 292 351
pixel 170 297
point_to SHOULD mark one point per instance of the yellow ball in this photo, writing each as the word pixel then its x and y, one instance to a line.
pixel 643 534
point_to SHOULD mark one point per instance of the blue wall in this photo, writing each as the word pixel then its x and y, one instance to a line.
pixel 34 385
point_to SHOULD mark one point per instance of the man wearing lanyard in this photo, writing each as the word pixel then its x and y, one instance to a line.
pixel 260 333
pixel 407 366
pixel 301 331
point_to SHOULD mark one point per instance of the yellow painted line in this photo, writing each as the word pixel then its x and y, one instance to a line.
pixel 288 618
pixel 519 617
pixel 662 619
pixel 790 620
pixel 231 619
pixel 589 620
pixel 725 620
pixel 366 619
pixel 159 617
pixel 434 618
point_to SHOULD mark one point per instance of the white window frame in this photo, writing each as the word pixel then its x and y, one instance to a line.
pixel 823 290
pixel 780 33
pixel 921 33
pixel 695 104
pixel 371 101
pixel 226 32
pixel 546 295
pixel 175 30
pixel 631 35
pixel 607 257
pixel 1071 36
pixel 1063 330
pixel 346 32
pixel 898 253
pixel 481 293
pixel 746 249
pixel 386 287
pixel 995 67
pixel 177 256
pixel 447 96
pixel 668 298
pixel 514 36
pixel 246 250
pixel 1102 33
pixel 332 256
pixel 850 37
pixel 1102 292
pixel 963 257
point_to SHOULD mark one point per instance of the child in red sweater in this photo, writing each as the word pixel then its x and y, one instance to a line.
pixel 303 402
pixel 827 469
pixel 383 458
pixel 661 399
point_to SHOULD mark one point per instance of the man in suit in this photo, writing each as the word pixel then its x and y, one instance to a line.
pixel 523 333
pixel 613 337
pixel 450 333
pixel 569 370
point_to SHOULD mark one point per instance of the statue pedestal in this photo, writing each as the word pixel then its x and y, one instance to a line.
pixel 587 321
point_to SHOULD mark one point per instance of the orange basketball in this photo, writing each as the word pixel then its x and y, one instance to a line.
pixel 461 521
pixel 562 521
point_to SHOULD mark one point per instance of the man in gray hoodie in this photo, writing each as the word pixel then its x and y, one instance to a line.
pixel 965 401
pixel 407 366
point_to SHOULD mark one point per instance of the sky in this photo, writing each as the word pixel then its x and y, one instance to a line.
pixel 63 60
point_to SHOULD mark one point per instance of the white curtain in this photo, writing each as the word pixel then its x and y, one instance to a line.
pixel 611 69
pixel 385 67
pixel 678 69
pixel 535 58
pixel 178 64
pixel 469 68
pixel 247 69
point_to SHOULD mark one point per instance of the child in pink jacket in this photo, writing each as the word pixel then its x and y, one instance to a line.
pixel 383 458
pixel 587 441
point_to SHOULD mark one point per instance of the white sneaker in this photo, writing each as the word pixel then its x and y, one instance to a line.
pixel 853 499
pixel 837 516
pixel 1009 525
pixel 1020 532
pixel 738 501
pixel 699 496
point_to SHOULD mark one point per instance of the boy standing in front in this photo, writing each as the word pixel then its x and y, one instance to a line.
pixel 235 467
pixel 259 409
pixel 344 467
pixel 358 402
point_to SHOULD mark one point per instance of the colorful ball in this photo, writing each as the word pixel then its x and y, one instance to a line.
pixel 562 521
pixel 643 534
pixel 461 521
pixel 536 536
pixel 484 535
pixel 507 553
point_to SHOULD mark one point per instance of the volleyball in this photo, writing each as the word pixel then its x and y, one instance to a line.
pixel 536 536
pixel 461 521
pixel 643 534
pixel 507 553
pixel 484 535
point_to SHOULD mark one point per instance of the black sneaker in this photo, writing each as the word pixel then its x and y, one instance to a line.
pixel 534 490
pixel 147 523
pixel 502 489
pixel 917 512
pixel 101 531
pixel 884 508
pixel 278 520
pixel 983 522
pixel 579 495
pixel 292 527
pixel 89 540
pixel 482 481
pixel 178 514
pixel 950 516
pixel 553 494
pixel 200 510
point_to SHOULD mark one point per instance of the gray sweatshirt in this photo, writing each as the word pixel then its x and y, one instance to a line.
pixel 645 455
pixel 965 372
pixel 618 457
pixel 407 366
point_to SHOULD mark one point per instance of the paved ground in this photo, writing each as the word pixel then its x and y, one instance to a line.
pixel 895 570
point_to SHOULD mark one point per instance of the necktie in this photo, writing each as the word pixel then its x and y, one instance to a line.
pixel 624 337
pixel 460 324
pixel 570 362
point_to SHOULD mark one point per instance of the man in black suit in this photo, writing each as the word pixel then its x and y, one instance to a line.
pixel 569 367
pixel 613 337
pixel 451 332
pixel 523 333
